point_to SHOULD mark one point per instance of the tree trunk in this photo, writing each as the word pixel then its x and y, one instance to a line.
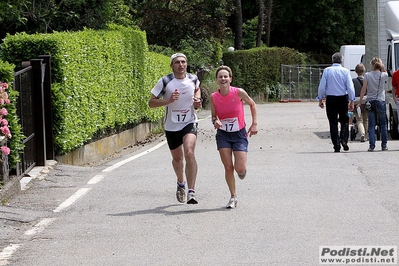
pixel 269 8
pixel 238 31
pixel 259 30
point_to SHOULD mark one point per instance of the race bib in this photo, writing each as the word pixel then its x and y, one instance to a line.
pixel 181 115
pixel 230 124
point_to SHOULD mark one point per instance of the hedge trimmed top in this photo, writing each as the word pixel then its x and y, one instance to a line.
pixel 101 79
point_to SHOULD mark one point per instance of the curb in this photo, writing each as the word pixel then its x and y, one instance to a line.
pixel 16 185
pixel 290 101
pixel 10 189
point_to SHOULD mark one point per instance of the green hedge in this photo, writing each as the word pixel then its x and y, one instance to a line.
pixel 257 69
pixel 101 80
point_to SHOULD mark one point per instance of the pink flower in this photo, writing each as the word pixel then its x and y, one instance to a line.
pixel 4 85
pixel 4 122
pixel 8 101
pixel 3 111
pixel 6 131
pixel 5 150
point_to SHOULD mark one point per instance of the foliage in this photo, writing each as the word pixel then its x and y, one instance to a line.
pixel 156 66
pixel 169 22
pixel 161 49
pixel 257 69
pixel 98 80
pixel 249 33
pixel 16 142
pixel 46 16
pixel 316 27
pixel 201 53
pixel 320 26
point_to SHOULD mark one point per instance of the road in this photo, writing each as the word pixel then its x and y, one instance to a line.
pixel 298 196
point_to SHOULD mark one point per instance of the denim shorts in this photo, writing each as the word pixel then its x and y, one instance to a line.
pixel 237 141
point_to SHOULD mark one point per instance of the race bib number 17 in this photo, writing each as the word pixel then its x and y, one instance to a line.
pixel 181 116
pixel 230 124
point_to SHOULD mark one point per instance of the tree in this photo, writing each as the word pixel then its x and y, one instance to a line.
pixel 320 26
pixel 261 16
pixel 46 16
pixel 168 22
pixel 238 25
pixel 11 16
pixel 269 8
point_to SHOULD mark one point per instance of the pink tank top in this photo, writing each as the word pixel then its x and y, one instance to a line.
pixel 229 109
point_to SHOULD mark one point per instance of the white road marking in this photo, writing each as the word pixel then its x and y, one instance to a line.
pixel 40 226
pixel 72 199
pixel 95 179
pixel 113 167
pixel 7 252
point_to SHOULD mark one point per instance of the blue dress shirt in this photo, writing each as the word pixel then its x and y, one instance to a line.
pixel 336 81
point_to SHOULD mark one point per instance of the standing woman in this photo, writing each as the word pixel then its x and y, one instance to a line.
pixel 373 83
pixel 232 138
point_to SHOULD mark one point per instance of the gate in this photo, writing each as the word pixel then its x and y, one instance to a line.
pixel 300 82
pixel 35 113
pixel 23 84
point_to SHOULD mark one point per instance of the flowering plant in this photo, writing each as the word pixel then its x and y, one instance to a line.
pixel 4 130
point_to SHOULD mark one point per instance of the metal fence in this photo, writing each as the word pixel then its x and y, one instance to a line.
pixel 300 82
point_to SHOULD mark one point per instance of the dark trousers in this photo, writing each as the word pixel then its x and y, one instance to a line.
pixel 337 111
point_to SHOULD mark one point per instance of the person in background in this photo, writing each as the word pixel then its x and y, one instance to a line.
pixel 180 97
pixel 395 90
pixel 361 117
pixel 373 84
pixel 336 86
pixel 232 138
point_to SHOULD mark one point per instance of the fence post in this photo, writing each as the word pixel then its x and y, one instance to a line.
pixel 38 99
pixel 48 110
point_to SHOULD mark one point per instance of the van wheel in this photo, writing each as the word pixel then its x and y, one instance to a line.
pixel 393 126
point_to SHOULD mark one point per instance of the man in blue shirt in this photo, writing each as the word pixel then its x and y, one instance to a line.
pixel 337 87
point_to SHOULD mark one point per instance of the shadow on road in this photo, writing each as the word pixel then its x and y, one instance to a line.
pixel 164 210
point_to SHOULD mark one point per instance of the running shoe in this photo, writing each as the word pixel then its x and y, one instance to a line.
pixel 242 176
pixel 232 203
pixel 181 194
pixel 191 198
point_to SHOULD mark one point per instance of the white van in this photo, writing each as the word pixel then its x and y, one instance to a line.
pixel 352 56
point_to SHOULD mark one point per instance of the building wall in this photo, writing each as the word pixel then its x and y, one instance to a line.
pixel 375 34
pixel 371 30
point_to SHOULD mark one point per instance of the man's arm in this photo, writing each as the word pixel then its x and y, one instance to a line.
pixel 156 102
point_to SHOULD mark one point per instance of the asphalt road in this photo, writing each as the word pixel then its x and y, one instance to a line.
pixel 298 196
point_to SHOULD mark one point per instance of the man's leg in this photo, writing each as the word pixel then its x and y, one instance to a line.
pixel 191 169
pixel 177 162
pixel 332 116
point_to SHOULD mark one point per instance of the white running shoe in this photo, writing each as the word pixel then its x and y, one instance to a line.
pixel 191 198
pixel 181 194
pixel 232 203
